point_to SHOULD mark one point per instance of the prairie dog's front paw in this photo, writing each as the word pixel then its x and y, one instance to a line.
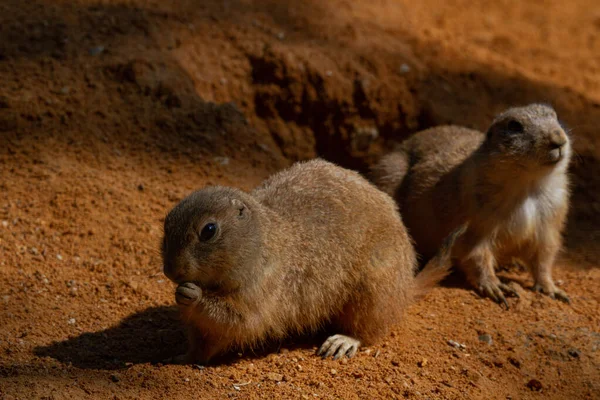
pixel 339 346
pixel 550 289
pixel 495 290
pixel 187 294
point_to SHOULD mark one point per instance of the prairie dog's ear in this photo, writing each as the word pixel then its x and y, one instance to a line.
pixel 240 207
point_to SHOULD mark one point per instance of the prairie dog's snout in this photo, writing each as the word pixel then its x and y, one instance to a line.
pixel 557 140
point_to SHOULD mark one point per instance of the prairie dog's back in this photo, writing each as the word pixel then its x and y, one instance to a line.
pixel 437 149
pixel 333 220
pixel 318 196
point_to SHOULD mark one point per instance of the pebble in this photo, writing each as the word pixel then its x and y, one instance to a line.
pixel 404 68
pixel 574 353
pixel 95 51
pixel 456 344
pixel 115 378
pixel 222 160
pixel 71 321
pixel 141 187
pixel 274 376
pixel 59 257
pixel 486 338
pixel 5 224
pixel 422 363
pixel 333 371
pixel 514 362
pixel 534 384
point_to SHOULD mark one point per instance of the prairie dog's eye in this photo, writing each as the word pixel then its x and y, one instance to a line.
pixel 208 232
pixel 514 126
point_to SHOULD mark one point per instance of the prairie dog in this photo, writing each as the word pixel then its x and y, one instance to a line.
pixel 509 185
pixel 315 245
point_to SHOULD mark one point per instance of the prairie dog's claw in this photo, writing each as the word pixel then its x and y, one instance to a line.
pixel 339 346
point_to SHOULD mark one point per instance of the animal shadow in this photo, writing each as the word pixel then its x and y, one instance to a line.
pixel 152 336
pixel 145 337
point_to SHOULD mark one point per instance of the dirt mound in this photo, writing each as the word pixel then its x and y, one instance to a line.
pixel 112 111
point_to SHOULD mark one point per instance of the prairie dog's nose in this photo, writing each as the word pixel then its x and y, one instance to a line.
pixel 558 139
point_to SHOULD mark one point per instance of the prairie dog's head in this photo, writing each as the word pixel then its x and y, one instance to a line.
pixel 212 238
pixel 531 136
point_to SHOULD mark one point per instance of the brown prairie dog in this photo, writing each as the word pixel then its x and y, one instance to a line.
pixel 314 245
pixel 510 185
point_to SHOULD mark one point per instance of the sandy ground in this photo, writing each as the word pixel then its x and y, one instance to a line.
pixel 113 110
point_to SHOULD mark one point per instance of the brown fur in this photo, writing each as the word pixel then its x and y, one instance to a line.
pixel 313 245
pixel 509 185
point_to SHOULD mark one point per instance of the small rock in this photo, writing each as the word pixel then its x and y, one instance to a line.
pixel 59 257
pixel 514 362
pixel 404 68
pixel 5 224
pixel 422 363
pixel 486 338
pixel 281 35
pixel 71 321
pixel 115 378
pixel 329 73
pixel 186 380
pixel 333 371
pixel 456 344
pixel 275 376
pixel 95 51
pixel 395 363
pixel 534 384
pixel 222 160
pixel 141 187
pixel 574 353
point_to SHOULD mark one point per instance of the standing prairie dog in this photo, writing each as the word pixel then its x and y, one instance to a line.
pixel 315 245
pixel 510 185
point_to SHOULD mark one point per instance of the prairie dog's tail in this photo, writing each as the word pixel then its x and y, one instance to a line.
pixel 439 266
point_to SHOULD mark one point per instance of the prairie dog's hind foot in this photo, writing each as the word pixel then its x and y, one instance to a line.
pixel 552 291
pixel 187 294
pixel 338 346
